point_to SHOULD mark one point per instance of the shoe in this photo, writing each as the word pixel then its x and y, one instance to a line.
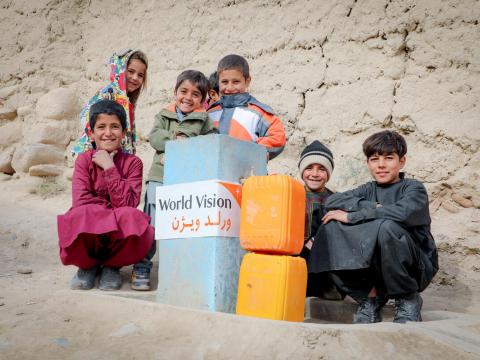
pixel 408 308
pixel 110 279
pixel 140 278
pixel 84 279
pixel 369 310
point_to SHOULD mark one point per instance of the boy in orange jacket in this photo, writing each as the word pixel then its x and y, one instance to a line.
pixel 239 114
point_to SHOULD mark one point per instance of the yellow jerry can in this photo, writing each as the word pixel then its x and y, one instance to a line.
pixel 272 287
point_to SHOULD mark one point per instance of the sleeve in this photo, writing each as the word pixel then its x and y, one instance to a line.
pixel 411 209
pixel 271 134
pixel 125 191
pixel 159 135
pixel 352 200
pixel 82 191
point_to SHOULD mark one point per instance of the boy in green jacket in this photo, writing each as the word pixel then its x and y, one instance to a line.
pixel 184 118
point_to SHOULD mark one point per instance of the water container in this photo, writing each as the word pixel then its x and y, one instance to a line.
pixel 272 287
pixel 272 215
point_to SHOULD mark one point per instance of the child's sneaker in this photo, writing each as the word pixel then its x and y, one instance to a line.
pixel 110 279
pixel 140 278
pixel 84 279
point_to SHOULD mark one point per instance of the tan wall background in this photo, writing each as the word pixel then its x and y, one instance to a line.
pixel 336 71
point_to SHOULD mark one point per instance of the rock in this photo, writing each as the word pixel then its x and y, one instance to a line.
pixel 7 113
pixel 35 154
pixel 45 170
pixel 7 91
pixel 6 162
pixel 58 134
pixel 462 201
pixel 10 134
pixel 24 110
pixel 450 206
pixel 5 177
pixel 24 270
pixel 57 104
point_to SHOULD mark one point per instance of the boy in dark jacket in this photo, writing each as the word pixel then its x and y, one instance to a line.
pixel 375 240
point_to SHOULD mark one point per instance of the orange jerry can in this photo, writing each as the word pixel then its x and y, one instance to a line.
pixel 272 214
pixel 272 287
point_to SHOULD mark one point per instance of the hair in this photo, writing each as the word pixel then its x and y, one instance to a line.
pixel 234 62
pixel 138 55
pixel 385 142
pixel 197 79
pixel 108 107
pixel 213 82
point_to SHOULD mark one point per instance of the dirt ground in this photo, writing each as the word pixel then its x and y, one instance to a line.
pixel 41 318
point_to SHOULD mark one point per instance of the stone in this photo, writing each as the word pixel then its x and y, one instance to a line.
pixel 6 162
pixel 45 170
pixel 7 91
pixel 36 154
pixel 10 134
pixel 57 104
pixel 24 110
pixel 462 201
pixel 7 113
pixel 56 134
pixel 24 270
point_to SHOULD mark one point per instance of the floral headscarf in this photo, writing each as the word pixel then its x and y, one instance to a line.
pixel 117 91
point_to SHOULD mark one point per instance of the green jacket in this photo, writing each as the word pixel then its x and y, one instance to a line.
pixel 167 126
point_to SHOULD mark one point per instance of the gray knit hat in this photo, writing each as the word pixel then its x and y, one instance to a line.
pixel 316 153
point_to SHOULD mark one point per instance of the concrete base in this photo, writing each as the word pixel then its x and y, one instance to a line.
pixel 93 324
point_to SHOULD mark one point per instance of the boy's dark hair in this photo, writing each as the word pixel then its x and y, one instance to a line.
pixel 385 142
pixel 197 78
pixel 213 81
pixel 108 107
pixel 234 62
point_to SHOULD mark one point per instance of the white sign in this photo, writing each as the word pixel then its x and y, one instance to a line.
pixel 197 209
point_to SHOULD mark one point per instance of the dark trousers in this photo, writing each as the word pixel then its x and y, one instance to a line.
pixel 396 268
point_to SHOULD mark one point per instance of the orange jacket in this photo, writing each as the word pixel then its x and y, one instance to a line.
pixel 243 117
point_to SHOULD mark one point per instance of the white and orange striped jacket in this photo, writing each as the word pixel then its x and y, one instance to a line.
pixel 243 117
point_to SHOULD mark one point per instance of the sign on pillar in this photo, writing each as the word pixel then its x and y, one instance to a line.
pixel 198 220
pixel 198 209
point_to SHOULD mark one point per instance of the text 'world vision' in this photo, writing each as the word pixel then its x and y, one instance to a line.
pixel 186 202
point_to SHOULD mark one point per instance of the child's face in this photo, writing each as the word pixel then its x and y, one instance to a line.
pixel 213 96
pixel 188 97
pixel 135 75
pixel 315 177
pixel 386 168
pixel 232 82
pixel 108 132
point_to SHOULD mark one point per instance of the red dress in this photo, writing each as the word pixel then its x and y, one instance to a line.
pixel 103 226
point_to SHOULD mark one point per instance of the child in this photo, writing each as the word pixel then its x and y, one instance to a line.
pixel 213 89
pixel 185 118
pixel 316 166
pixel 103 230
pixel 239 114
pixel 376 239
pixel 128 76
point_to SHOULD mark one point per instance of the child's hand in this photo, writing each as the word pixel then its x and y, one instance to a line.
pixel 103 159
pixel 180 136
pixel 338 215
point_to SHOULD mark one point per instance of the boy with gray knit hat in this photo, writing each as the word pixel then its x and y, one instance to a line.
pixel 316 167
